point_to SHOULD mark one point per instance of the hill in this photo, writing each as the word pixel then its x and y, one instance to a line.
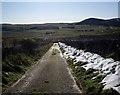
pixel 51 26
pixel 21 27
pixel 96 21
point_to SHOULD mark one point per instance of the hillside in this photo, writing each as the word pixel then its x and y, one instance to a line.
pixel 96 21
pixel 22 27
pixel 51 26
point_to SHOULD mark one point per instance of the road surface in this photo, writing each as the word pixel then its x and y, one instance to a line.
pixel 50 75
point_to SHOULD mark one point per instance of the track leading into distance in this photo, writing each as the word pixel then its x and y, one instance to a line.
pixel 50 75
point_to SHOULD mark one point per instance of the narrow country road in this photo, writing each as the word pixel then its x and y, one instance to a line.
pixel 50 75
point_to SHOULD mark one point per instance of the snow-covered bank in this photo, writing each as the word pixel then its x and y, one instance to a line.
pixel 107 67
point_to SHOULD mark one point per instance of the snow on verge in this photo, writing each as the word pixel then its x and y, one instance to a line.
pixel 108 66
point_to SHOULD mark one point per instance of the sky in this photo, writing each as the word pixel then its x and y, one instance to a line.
pixel 51 12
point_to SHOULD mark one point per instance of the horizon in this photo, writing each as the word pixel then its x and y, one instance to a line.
pixel 56 22
pixel 65 12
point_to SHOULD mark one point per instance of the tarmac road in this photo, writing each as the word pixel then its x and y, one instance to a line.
pixel 50 75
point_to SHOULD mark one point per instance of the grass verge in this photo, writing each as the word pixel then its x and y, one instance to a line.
pixel 17 60
pixel 89 80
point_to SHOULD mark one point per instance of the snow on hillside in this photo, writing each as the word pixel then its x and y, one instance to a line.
pixel 107 67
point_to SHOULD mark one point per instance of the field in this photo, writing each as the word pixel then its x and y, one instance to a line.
pixel 78 30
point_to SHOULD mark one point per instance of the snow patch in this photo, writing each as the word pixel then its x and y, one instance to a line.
pixel 108 66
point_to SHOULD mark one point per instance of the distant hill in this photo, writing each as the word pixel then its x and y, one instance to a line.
pixel 48 26
pixel 96 21
pixel 22 27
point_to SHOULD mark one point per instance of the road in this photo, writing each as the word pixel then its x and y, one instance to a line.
pixel 50 75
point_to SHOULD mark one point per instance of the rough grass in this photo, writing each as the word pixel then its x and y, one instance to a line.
pixel 90 81
pixel 16 61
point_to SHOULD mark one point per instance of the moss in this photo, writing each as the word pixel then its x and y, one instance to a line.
pixel 54 52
